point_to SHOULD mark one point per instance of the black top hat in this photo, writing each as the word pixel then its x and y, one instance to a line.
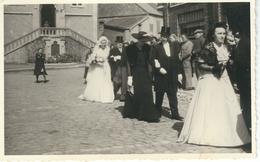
pixel 165 31
pixel 119 40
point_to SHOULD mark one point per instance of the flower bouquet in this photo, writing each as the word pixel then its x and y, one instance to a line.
pixel 98 60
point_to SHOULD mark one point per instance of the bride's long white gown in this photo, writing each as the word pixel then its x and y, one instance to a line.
pixel 99 86
pixel 214 116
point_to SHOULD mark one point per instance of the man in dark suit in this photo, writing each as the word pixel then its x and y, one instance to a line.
pixel 165 61
pixel 118 68
pixel 243 74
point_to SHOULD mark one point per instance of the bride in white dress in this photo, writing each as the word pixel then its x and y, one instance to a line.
pixel 214 115
pixel 99 86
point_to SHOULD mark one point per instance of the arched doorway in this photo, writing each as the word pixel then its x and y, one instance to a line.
pixel 48 15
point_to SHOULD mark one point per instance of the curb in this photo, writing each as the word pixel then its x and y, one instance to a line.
pixel 47 68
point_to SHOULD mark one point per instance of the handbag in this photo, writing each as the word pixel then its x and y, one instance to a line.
pixel 129 110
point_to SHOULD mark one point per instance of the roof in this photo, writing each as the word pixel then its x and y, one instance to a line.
pixel 149 9
pixel 126 9
pixel 125 22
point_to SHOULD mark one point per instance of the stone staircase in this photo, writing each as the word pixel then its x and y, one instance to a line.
pixel 37 37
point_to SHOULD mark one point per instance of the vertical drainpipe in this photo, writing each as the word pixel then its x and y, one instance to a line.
pixel 166 15
pixel 219 12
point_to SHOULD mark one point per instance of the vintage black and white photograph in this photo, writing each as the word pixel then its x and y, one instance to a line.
pixel 129 78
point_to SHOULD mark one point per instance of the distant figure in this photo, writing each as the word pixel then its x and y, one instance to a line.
pixel 39 65
pixel 185 57
pixel 46 24
pixel 173 38
pixel 125 44
pixel 198 46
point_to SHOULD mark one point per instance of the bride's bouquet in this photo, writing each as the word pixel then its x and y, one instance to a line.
pixel 98 60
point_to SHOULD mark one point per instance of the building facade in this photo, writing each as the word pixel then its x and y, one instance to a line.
pixel 187 17
pixel 121 20
pixel 52 23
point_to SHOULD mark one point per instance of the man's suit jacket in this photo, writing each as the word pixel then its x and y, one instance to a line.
pixel 185 54
pixel 114 65
pixel 169 63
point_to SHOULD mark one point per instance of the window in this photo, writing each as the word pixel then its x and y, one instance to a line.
pixel 151 28
pixel 77 5
pixel 158 24
pixel 190 16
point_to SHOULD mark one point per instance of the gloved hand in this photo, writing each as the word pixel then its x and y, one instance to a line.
pixel 130 81
pixel 157 64
pixel 118 57
pixel 163 71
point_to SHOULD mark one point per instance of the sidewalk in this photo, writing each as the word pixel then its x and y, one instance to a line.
pixel 30 66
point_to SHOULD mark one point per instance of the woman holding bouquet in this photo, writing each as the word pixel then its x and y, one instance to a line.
pixel 99 87
pixel 214 116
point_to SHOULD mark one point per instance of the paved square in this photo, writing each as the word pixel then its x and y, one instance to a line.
pixel 48 118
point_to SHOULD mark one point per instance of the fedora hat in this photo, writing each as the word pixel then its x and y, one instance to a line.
pixel 165 31
pixel 142 36
pixel 198 31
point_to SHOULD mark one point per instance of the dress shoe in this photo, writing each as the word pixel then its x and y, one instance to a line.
pixel 188 89
pixel 46 81
pixel 177 117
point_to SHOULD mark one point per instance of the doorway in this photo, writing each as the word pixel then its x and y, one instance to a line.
pixel 48 15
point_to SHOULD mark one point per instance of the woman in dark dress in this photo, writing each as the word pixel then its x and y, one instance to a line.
pixel 139 104
pixel 39 65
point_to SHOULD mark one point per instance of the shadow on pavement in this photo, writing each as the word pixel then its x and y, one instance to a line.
pixel 178 126
pixel 120 109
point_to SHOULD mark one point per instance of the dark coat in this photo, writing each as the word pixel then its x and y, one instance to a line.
pixel 39 68
pixel 131 57
pixel 185 54
pixel 198 45
pixel 114 65
pixel 170 64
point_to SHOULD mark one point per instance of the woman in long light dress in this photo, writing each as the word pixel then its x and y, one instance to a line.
pixel 214 115
pixel 99 86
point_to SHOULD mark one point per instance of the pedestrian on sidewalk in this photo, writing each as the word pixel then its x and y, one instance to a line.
pixel 39 68
pixel 185 57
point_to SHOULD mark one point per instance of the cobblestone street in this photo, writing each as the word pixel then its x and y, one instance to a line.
pixel 49 119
